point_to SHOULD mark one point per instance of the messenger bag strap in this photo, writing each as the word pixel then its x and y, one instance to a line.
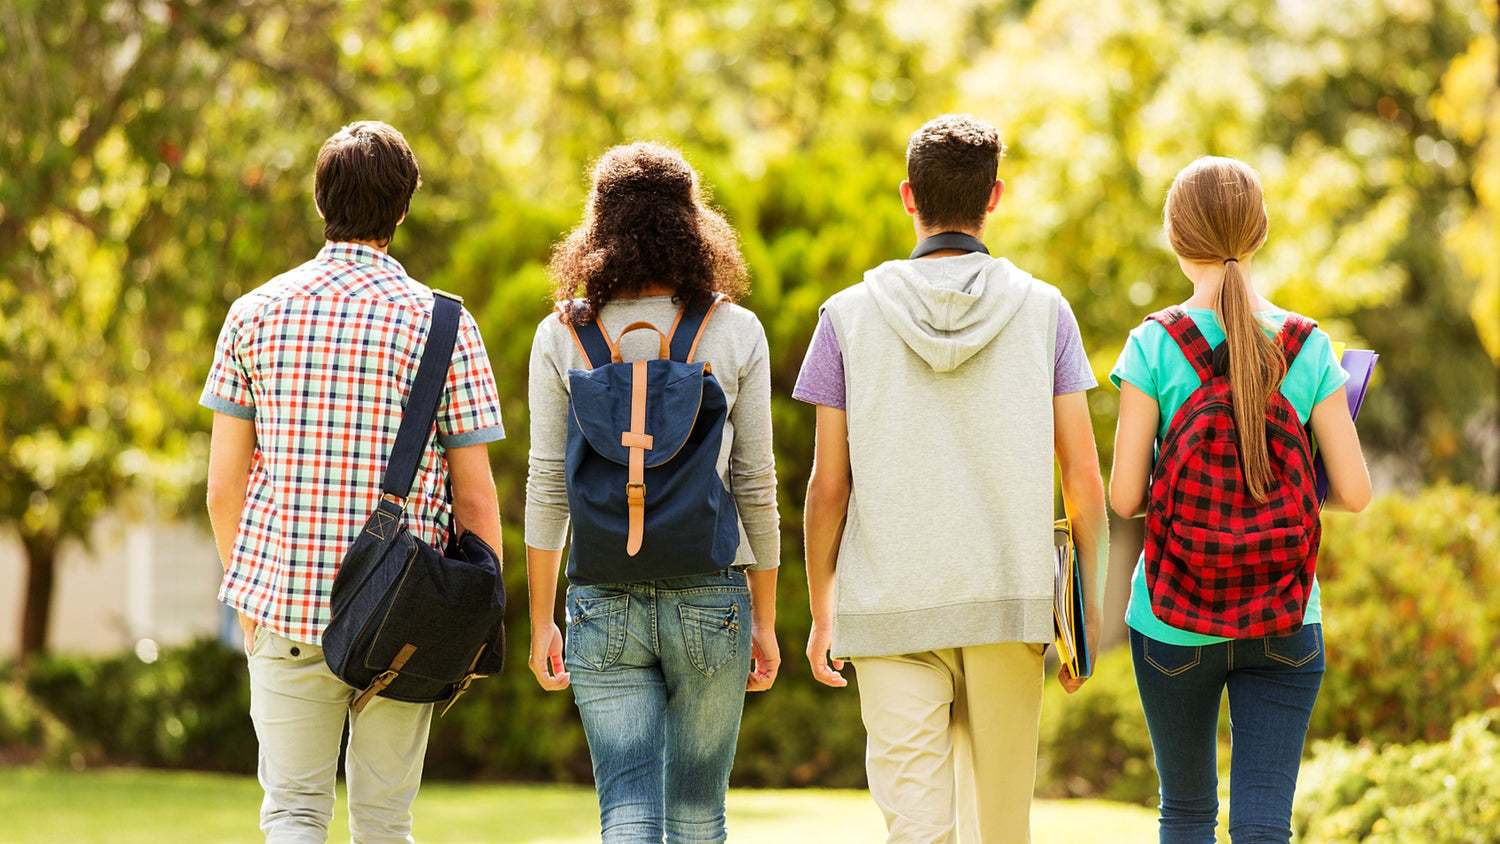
pixel 426 391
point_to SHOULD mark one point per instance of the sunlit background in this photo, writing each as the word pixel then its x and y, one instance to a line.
pixel 156 162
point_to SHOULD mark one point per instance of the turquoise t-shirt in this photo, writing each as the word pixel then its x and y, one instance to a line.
pixel 1152 362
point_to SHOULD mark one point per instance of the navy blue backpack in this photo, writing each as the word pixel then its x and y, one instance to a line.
pixel 642 467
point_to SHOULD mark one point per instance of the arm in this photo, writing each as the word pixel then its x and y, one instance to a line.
pixel 764 649
pixel 230 452
pixel 475 506
pixel 546 508
pixel 1135 440
pixel 826 510
pixel 1083 499
pixel 752 469
pixel 546 656
pixel 1338 442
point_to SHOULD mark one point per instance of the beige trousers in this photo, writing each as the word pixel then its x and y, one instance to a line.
pixel 951 754
pixel 299 709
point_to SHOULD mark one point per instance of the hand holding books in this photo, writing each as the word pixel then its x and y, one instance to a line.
pixel 1069 626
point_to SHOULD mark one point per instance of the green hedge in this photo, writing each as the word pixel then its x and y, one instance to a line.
pixel 190 708
pixel 1411 620
pixel 1404 793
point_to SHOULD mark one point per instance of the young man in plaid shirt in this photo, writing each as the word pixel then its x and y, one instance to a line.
pixel 309 378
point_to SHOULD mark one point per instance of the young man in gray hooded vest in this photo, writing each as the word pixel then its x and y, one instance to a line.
pixel 946 385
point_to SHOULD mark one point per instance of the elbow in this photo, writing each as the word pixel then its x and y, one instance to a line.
pixel 825 494
pixel 223 496
pixel 471 506
pixel 1126 503
pixel 1125 509
pixel 1352 501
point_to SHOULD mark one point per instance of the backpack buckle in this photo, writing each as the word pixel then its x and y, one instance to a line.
pixel 635 491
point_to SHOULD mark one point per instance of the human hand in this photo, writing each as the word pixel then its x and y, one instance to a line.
pixel 1091 631
pixel 765 658
pixel 248 627
pixel 546 658
pixel 818 642
pixel 1070 683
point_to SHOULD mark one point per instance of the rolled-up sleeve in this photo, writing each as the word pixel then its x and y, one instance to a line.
pixel 470 411
pixel 752 464
pixel 227 389
pixel 546 483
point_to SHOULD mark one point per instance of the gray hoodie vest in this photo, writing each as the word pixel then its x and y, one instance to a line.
pixel 948 367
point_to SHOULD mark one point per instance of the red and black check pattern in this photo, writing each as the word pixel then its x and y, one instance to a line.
pixel 1218 563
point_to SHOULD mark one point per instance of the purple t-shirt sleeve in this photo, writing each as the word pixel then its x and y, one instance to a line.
pixel 1071 371
pixel 821 380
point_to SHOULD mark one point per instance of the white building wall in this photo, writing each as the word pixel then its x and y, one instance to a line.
pixel 131 581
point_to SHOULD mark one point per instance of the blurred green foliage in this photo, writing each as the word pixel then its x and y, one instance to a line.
pixel 156 163
pixel 1094 742
pixel 1400 793
pixel 189 708
pixel 1413 628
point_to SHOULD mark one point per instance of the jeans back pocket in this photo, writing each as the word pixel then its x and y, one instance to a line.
pixel 711 635
pixel 1297 650
pixel 596 630
pixel 1171 660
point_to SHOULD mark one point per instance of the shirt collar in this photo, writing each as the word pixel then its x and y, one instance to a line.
pixel 358 253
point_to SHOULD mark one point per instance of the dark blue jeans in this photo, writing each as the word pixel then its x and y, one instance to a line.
pixel 1272 683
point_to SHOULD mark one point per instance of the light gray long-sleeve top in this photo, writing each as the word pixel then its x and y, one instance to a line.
pixel 734 345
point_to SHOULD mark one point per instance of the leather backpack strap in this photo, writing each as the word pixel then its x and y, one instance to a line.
pixel 688 329
pixel 1185 332
pixel 592 342
pixel 422 402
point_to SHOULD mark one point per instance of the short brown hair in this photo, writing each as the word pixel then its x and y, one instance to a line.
pixel 646 224
pixel 952 163
pixel 366 175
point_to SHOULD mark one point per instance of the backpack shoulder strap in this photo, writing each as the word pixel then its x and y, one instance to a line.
pixel 1183 330
pixel 1294 334
pixel 590 337
pixel 422 402
pixel 688 329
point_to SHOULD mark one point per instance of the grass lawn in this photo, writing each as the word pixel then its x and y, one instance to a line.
pixel 40 806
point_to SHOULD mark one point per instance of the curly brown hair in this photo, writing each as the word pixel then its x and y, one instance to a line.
pixel 646 225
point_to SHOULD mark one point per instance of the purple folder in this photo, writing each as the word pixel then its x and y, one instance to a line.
pixel 1359 363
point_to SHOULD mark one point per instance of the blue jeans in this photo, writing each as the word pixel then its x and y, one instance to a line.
pixel 659 671
pixel 1272 682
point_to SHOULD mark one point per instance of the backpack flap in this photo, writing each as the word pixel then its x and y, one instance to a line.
pixel 601 406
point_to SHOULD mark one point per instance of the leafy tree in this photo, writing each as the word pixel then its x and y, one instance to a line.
pixel 123 218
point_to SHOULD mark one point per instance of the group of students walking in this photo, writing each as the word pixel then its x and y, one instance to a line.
pixel 949 389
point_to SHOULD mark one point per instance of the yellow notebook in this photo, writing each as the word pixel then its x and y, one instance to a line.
pixel 1067 603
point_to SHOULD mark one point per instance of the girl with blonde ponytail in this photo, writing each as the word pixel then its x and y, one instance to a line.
pixel 1215 220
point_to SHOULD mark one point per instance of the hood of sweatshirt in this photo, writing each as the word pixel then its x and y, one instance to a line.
pixel 948 309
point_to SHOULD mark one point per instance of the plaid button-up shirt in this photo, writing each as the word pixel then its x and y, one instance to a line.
pixel 322 358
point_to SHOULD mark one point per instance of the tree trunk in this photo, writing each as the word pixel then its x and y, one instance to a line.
pixel 41 557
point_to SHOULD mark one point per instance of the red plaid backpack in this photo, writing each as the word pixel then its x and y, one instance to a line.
pixel 1218 563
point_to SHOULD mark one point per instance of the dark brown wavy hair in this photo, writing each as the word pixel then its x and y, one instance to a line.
pixel 646 224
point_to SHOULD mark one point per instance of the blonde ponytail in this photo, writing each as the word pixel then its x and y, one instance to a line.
pixel 1256 368
pixel 1215 212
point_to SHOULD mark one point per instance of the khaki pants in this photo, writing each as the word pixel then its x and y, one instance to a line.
pixel 952 742
pixel 299 708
